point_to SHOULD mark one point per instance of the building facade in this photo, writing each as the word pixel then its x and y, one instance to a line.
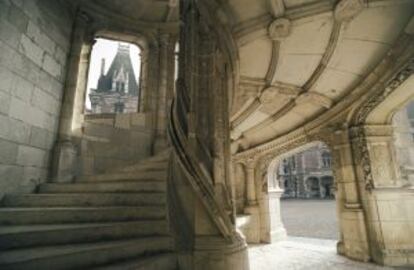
pixel 117 90
pixel 307 174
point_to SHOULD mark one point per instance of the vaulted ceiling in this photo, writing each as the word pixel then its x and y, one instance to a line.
pixel 137 11
pixel 298 58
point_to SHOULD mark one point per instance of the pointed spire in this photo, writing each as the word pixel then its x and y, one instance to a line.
pixel 123 48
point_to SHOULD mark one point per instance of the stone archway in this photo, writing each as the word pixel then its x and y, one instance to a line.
pixel 387 197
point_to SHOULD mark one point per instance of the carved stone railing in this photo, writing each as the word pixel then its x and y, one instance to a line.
pixel 199 179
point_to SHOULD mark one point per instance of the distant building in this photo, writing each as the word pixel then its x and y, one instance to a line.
pixel 307 174
pixel 117 90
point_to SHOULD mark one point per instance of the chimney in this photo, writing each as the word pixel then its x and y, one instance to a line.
pixel 102 66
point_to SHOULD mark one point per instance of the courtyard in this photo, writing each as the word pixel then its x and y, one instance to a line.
pixel 310 218
pixel 311 244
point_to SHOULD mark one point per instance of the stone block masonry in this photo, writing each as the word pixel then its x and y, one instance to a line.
pixel 34 45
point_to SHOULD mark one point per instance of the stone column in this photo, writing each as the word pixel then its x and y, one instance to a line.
pixel 353 239
pixel 160 142
pixel 65 167
pixel 250 184
pixel 252 209
pixel 388 199
pixel 277 230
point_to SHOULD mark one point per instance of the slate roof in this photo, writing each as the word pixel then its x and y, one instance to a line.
pixel 122 58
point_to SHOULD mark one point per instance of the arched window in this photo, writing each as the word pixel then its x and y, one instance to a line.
pixel 326 160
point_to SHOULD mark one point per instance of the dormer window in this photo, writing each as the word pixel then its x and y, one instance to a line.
pixel 113 69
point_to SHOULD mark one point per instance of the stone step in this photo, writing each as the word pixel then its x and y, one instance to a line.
pixel 82 256
pixel 84 199
pixel 144 167
pixel 59 215
pixel 110 187
pixel 159 262
pixel 40 235
pixel 157 175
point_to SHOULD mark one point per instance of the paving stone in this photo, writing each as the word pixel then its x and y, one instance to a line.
pixel 297 253
pixel 310 218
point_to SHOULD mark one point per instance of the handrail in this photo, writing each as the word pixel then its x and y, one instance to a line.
pixel 199 180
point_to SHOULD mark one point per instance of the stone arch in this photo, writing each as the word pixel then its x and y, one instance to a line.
pixel 272 228
pixel 375 167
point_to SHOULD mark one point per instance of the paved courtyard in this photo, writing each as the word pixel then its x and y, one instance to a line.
pixel 307 223
pixel 298 253
pixel 310 218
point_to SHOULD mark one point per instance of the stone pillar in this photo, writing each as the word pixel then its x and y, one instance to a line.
pixel 250 184
pixel 160 142
pixel 252 231
pixel 277 230
pixel 353 239
pixel 65 164
pixel 404 144
pixel 388 199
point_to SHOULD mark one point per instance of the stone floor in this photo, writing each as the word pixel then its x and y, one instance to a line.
pixel 310 218
pixel 298 253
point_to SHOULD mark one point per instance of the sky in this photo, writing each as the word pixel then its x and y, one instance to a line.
pixel 106 49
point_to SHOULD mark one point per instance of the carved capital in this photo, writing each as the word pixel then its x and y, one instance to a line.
pixel 279 29
pixel 347 9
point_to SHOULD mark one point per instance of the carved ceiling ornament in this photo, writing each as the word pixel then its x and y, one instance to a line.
pixel 279 29
pixel 347 9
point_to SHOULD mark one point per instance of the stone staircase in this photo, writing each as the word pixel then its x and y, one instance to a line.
pixel 112 221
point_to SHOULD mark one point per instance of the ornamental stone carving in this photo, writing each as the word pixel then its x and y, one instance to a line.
pixel 347 9
pixel 279 29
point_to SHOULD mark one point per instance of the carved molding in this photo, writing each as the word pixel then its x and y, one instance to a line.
pixel 383 92
pixel 322 101
pixel 271 71
pixel 277 7
pixel 279 29
pixel 286 90
pixel 359 132
pixel 347 9
pixel 314 98
pixel 269 94
pixel 333 41
pixel 252 29
pixel 397 54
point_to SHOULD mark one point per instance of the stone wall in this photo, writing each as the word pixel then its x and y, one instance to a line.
pixel 34 43
pixel 114 141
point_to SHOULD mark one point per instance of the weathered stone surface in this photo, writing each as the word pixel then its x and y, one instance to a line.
pixel 31 69
pixel 13 130
pixel 8 152
pixel 31 50
pixel 30 156
pixel 4 103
